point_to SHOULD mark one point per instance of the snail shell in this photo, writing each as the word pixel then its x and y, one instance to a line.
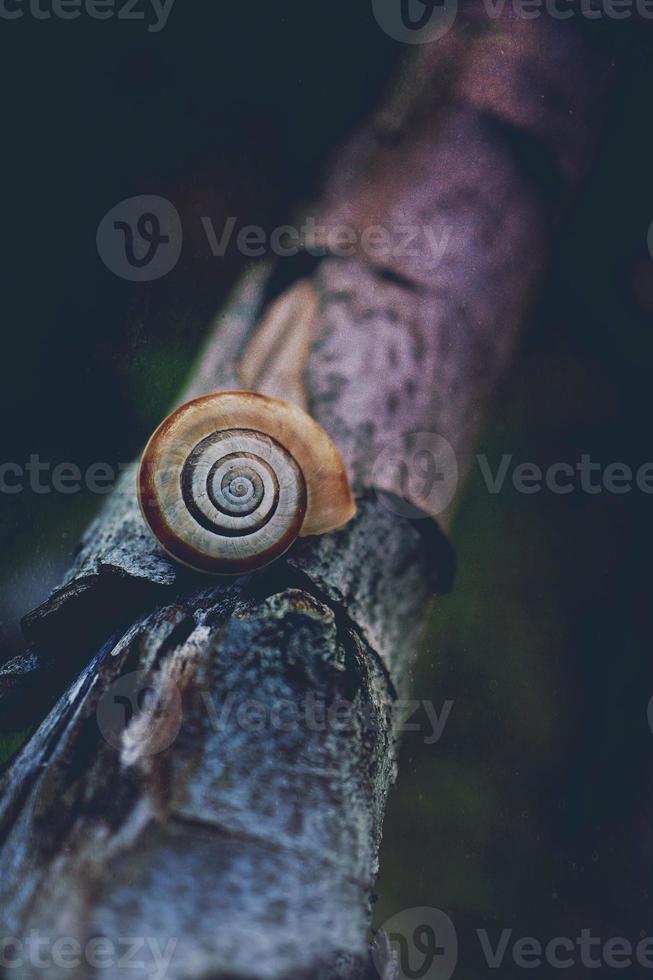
pixel 228 481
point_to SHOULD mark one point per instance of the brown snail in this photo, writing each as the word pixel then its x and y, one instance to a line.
pixel 228 481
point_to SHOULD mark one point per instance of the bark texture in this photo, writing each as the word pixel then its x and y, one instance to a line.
pixel 249 842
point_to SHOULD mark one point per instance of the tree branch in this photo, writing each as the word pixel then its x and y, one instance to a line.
pixel 253 844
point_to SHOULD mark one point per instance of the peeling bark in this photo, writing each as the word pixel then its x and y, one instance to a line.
pixel 254 846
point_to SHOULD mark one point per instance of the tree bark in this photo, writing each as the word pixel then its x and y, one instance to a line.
pixel 247 841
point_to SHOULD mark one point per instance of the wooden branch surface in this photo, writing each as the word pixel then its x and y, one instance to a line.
pixel 254 848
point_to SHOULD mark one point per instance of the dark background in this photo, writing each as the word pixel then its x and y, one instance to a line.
pixel 534 809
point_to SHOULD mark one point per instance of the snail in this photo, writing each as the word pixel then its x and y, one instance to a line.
pixel 228 481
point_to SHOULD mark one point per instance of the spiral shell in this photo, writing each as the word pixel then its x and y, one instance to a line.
pixel 228 481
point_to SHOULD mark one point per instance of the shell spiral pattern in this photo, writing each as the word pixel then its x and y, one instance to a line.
pixel 244 487
pixel 222 490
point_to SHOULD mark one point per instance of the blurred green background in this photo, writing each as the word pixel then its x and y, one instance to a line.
pixel 533 811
